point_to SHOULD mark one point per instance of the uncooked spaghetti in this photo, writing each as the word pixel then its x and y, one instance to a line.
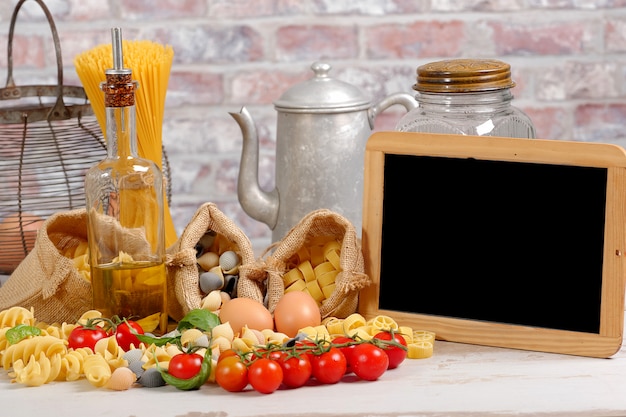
pixel 150 63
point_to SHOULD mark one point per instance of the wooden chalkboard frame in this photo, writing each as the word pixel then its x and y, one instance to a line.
pixel 605 343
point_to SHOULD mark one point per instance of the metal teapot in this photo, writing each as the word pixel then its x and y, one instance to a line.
pixel 322 127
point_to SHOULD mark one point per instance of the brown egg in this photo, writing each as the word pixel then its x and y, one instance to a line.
pixel 296 310
pixel 11 245
pixel 241 311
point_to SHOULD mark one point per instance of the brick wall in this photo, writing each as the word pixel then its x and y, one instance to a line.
pixel 568 59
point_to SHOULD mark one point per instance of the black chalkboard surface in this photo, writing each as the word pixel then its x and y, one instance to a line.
pixel 506 242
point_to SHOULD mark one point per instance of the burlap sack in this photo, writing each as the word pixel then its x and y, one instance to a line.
pixel 182 269
pixel 47 280
pixel 344 299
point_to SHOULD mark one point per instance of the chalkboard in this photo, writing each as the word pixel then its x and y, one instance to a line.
pixel 496 241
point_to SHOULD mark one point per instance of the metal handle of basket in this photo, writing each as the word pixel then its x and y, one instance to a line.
pixel 59 111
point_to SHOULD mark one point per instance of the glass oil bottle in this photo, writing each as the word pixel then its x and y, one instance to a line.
pixel 125 207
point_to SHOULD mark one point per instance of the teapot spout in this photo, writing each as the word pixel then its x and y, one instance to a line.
pixel 257 203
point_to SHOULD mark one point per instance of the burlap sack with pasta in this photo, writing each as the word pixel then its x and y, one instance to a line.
pixel 320 224
pixel 182 268
pixel 47 279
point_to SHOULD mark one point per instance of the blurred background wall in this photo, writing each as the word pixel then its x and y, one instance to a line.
pixel 568 59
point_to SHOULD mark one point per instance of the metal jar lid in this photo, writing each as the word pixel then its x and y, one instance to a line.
pixel 322 94
pixel 463 76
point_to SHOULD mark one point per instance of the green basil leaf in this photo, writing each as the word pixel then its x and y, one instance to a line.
pixel 157 341
pixel 199 318
pixel 192 383
pixel 21 331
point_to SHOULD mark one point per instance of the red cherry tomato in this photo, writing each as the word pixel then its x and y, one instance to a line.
pixel 226 354
pixel 306 347
pixel 296 370
pixel 85 336
pixel 124 335
pixel 231 374
pixel 265 375
pixel 329 367
pixel 346 350
pixel 185 365
pixel 265 353
pixel 369 362
pixel 396 354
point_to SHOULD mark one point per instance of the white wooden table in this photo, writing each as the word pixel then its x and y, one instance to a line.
pixel 459 380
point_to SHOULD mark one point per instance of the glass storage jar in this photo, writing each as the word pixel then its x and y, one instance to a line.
pixel 467 97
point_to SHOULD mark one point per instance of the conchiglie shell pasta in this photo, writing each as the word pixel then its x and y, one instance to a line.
pixel 212 301
pixel 274 337
pixel 188 337
pixel 221 343
pixel 241 345
pixel 225 330
pixel 121 379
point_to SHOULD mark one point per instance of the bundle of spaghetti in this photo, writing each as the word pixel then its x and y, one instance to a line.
pixel 150 64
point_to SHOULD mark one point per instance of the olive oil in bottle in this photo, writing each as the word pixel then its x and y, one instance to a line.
pixel 125 208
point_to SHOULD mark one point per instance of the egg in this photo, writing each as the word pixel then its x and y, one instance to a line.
pixel 294 311
pixel 242 311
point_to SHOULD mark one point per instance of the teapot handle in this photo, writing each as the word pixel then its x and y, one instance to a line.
pixel 404 99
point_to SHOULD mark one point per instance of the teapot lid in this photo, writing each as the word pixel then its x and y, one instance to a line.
pixel 322 94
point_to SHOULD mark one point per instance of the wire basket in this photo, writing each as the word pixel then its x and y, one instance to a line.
pixel 49 138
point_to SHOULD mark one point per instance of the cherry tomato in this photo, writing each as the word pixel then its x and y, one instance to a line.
pixel 231 374
pixel 296 370
pixel 329 367
pixel 185 365
pixel 369 362
pixel 275 355
pixel 86 336
pixel 227 354
pixel 306 347
pixel 265 353
pixel 396 354
pixel 265 375
pixel 124 335
pixel 346 350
